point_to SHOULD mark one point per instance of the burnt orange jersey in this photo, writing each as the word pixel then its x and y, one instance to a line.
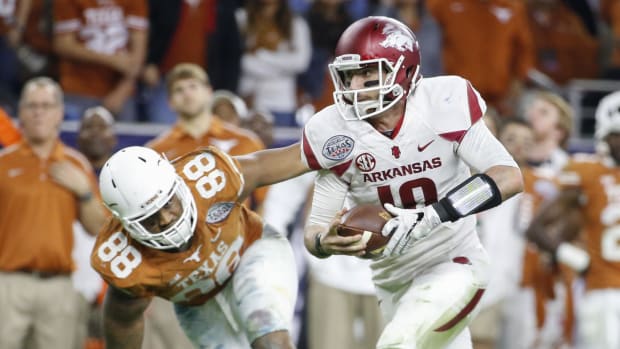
pixel 564 48
pixel 232 140
pixel 38 31
pixel 599 182
pixel 189 42
pixel 103 27
pixel 224 231
pixel 537 186
pixel 487 42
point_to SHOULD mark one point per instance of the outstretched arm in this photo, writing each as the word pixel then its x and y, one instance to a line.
pixel 123 320
pixel 270 166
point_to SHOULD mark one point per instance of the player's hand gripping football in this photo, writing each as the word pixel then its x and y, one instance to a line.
pixel 332 243
pixel 407 227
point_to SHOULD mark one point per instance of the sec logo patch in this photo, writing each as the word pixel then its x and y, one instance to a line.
pixel 338 147
pixel 365 162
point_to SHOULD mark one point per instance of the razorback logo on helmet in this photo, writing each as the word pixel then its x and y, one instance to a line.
pixel 338 147
pixel 219 212
pixel 394 37
pixel 365 162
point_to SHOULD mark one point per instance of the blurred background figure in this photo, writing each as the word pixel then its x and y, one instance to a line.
pixel 96 140
pixel 277 48
pixel 45 186
pixel 103 44
pixel 491 120
pixel 228 107
pixel 327 19
pixel 564 47
pixel 489 43
pixel 261 122
pixel 551 118
pixel 579 229
pixel 610 15
pixel 13 17
pixel 9 133
pixel 426 29
pixel 179 32
pixel 190 96
pixel 508 310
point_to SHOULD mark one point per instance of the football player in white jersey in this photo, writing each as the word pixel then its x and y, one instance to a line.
pixel 394 138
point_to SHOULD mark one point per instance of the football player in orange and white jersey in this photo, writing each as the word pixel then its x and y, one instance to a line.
pixel 521 282
pixel 588 211
pixel 180 232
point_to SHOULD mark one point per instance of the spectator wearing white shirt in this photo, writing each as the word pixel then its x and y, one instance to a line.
pixel 277 48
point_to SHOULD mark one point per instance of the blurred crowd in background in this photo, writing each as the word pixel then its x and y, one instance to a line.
pixel 273 54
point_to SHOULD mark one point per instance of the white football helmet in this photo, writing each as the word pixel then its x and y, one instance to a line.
pixel 608 115
pixel 135 183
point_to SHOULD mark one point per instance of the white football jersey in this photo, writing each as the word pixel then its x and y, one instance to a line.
pixel 416 166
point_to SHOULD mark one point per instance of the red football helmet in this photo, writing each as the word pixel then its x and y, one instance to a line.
pixel 386 43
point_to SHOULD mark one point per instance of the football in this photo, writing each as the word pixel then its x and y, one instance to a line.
pixel 366 220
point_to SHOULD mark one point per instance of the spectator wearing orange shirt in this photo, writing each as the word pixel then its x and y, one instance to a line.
pixel 9 134
pixel 44 187
pixel 564 48
pixel 489 43
pixel 101 47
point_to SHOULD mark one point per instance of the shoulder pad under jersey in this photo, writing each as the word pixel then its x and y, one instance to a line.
pixel 449 105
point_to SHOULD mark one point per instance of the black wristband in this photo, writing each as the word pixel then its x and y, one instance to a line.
pixel 445 211
pixel 320 252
